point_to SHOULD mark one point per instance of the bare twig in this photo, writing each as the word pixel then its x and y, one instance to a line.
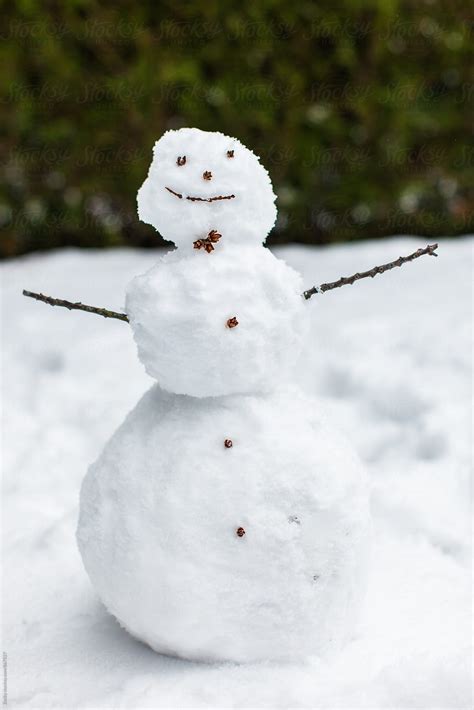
pixel 76 306
pixel 349 280
pixel 178 194
pixel 210 199
pixel 201 199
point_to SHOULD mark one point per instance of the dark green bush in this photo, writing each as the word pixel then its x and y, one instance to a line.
pixel 358 109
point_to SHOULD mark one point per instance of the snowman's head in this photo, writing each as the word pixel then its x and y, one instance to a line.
pixel 199 182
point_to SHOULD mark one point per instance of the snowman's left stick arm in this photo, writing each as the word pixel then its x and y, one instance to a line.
pixel 343 281
pixel 349 280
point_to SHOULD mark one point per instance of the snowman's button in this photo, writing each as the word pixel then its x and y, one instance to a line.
pixel 207 175
pixel 240 532
pixel 232 322
pixel 207 243
pixel 228 443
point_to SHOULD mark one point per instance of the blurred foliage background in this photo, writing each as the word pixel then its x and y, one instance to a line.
pixel 359 110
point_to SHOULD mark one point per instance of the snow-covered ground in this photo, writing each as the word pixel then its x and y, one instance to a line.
pixel 390 358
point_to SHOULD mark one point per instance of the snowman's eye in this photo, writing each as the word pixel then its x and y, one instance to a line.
pixel 230 153
pixel 181 160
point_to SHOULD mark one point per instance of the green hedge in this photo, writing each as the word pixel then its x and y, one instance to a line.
pixel 359 110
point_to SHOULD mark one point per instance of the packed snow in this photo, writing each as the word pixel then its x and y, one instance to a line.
pixel 179 312
pixel 201 179
pixel 389 359
pixel 249 552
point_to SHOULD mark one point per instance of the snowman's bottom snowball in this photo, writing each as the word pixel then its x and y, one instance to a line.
pixel 161 507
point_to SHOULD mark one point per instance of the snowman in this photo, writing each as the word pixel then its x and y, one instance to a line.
pixel 225 519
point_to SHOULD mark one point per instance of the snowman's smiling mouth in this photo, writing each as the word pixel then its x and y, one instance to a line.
pixel 200 199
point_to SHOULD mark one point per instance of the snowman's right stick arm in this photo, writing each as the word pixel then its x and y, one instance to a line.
pixel 343 281
pixel 349 280
pixel 104 312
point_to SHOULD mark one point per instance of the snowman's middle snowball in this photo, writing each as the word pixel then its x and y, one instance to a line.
pixel 215 324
